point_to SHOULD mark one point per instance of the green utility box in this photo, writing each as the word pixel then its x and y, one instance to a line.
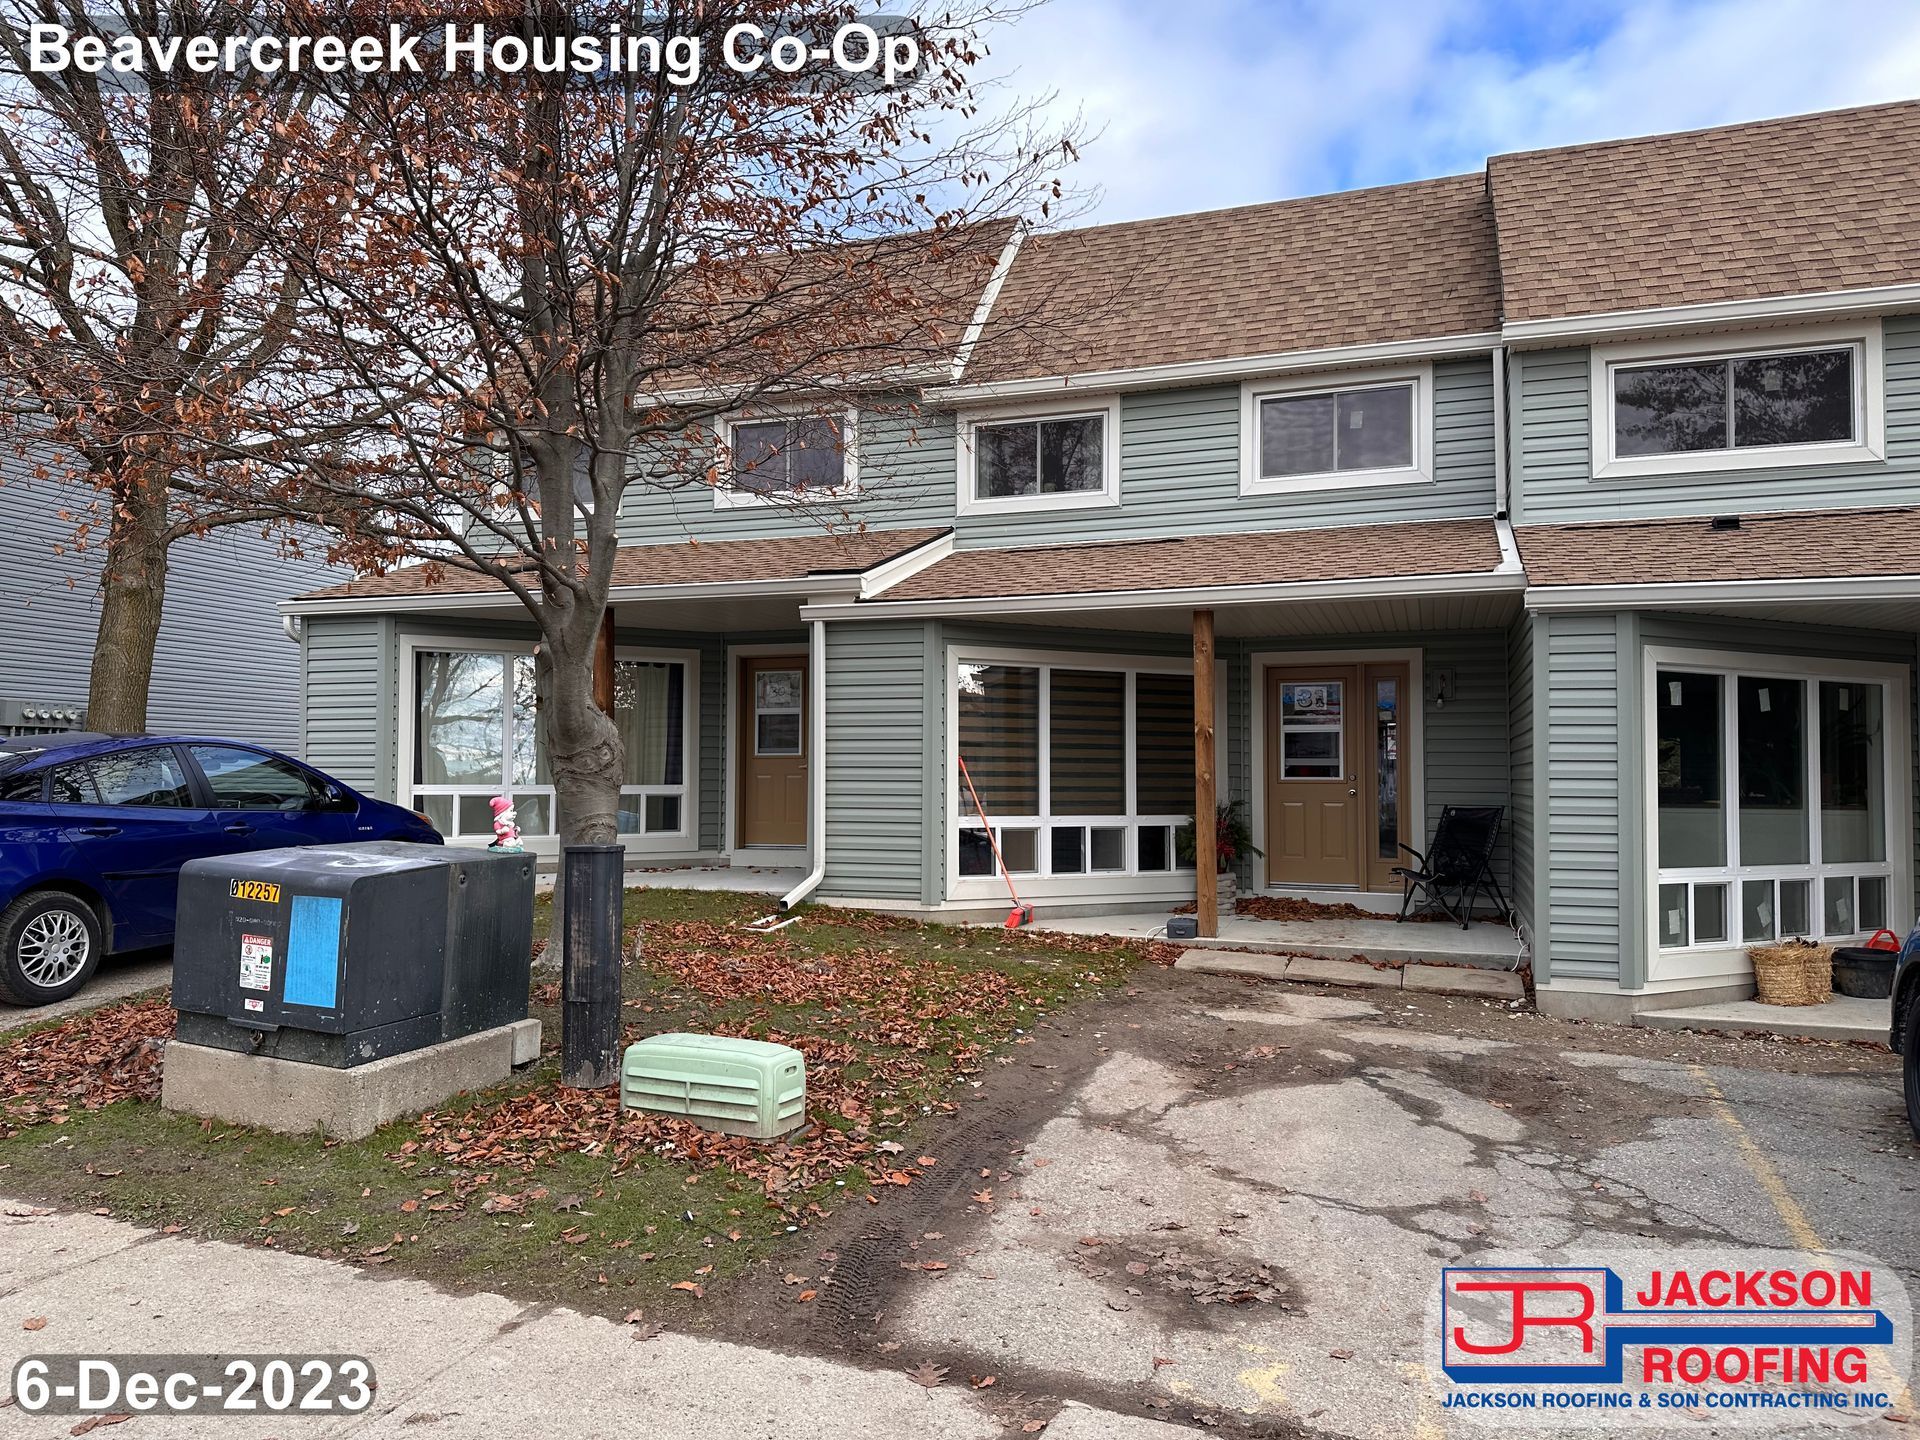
pixel 738 1087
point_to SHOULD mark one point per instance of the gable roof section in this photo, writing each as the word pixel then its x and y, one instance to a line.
pixel 722 562
pixel 1784 545
pixel 1364 267
pixel 1810 204
pixel 1268 557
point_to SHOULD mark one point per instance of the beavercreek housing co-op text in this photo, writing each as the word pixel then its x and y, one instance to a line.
pixel 878 51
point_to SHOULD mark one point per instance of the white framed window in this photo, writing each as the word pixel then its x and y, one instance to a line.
pixel 1077 766
pixel 1325 433
pixel 470 730
pixel 1049 459
pixel 786 457
pixel 1777 799
pixel 1807 396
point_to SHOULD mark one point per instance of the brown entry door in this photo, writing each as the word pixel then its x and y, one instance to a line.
pixel 1334 774
pixel 771 751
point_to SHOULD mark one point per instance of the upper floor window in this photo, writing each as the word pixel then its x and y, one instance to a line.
pixel 1040 461
pixel 1812 399
pixel 1314 434
pixel 786 457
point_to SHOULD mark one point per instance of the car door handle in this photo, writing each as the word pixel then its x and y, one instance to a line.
pixel 237 827
pixel 100 832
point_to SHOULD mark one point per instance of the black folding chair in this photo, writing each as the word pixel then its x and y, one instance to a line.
pixel 1458 867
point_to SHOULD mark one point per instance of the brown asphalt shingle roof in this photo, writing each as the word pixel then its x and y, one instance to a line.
pixel 1780 207
pixel 1403 262
pixel 686 563
pixel 1798 545
pixel 1349 552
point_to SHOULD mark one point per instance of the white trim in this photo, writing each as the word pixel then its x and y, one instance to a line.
pixel 904 565
pixel 1105 408
pixel 1175 884
pixel 1695 594
pixel 1869 400
pixel 799 587
pixel 685 840
pixel 1196 372
pixel 1599 324
pixel 729 779
pixel 1254 392
pixel 1500 580
pixel 1413 795
pixel 1502 482
pixel 1002 267
pixel 1693 963
pixel 727 497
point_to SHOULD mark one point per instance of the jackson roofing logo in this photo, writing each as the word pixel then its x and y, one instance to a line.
pixel 1725 1335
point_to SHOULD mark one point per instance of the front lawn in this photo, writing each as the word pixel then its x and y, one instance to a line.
pixel 548 1193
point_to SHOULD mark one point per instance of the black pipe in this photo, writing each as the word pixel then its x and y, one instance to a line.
pixel 590 1014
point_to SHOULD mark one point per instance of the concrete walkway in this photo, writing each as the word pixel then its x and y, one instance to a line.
pixel 1841 1018
pixel 1492 946
pixel 116 979
pixel 445 1365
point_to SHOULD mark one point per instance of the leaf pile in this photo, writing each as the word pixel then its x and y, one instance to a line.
pixel 91 1060
pixel 885 1028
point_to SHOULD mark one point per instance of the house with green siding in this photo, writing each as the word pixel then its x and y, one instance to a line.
pixel 1586 486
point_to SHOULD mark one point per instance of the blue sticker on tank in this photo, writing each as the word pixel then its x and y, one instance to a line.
pixel 313 952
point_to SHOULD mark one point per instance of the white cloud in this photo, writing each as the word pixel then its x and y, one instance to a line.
pixel 1214 103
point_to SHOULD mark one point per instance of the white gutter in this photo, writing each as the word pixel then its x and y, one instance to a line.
pixel 817 776
pixel 1506 577
pixel 290 627
pixel 1690 594
pixel 1501 506
pixel 1194 372
pixel 798 587
pixel 1718 312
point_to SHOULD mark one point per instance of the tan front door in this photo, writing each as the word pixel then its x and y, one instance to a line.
pixel 1334 762
pixel 771 751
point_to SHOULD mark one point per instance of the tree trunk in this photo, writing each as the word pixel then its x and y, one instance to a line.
pixel 133 590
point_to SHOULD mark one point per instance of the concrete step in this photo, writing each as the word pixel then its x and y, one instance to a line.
pixel 1841 1018
pixel 1321 970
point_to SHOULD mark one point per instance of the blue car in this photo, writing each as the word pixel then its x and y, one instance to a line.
pixel 94 830
pixel 1905 1038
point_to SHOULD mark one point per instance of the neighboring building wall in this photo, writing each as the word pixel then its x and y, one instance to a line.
pixel 1180 472
pixel 223 666
pixel 1552 451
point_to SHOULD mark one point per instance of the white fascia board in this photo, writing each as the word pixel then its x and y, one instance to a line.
pixel 1602 324
pixel 910 562
pixel 1199 597
pixel 1694 594
pixel 983 311
pixel 1196 372
pixel 825 583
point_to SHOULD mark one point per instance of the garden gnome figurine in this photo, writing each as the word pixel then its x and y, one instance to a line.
pixel 506 829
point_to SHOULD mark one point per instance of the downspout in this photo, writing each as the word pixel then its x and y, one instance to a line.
pixel 291 626
pixel 1500 497
pixel 817 774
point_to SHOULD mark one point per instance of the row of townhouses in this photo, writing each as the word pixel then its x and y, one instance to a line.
pixel 1587 486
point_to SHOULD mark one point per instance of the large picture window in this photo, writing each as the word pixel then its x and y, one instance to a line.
pixel 1770 795
pixel 1365 428
pixel 1080 769
pixel 477 734
pixel 1039 462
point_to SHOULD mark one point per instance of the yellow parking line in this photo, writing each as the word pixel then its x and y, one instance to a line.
pixel 1805 1237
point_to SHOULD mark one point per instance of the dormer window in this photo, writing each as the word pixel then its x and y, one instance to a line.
pixel 1328 433
pixel 1040 460
pixel 796 458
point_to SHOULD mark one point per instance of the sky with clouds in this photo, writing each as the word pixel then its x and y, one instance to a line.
pixel 1195 104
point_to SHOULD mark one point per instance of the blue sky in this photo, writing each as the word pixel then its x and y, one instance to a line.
pixel 1205 103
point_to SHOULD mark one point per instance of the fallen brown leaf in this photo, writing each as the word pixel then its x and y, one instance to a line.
pixel 927 1373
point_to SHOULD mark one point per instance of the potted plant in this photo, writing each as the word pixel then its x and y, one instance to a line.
pixel 1232 838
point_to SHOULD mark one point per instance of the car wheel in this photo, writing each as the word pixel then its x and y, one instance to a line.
pixel 1910 1065
pixel 50 945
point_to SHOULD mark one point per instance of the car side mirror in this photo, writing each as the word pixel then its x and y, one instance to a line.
pixel 334 799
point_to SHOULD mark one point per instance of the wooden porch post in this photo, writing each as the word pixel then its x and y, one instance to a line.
pixel 603 664
pixel 1205 856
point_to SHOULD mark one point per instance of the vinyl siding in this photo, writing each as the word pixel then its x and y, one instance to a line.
pixel 1180 473
pixel 1582 811
pixel 222 666
pixel 346 703
pixel 1553 471
pixel 904 467
pixel 876 750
